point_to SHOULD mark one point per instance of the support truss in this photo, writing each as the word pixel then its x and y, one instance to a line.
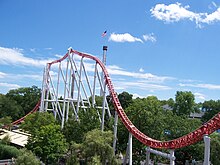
pixel 71 84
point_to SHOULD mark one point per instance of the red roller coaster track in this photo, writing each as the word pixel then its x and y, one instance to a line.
pixel 191 138
pixel 33 110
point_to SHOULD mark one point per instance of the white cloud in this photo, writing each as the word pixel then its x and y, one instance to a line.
pixel 150 37
pixel 33 50
pixel 188 81
pixel 9 86
pixel 48 48
pixel 206 86
pixel 140 85
pixel 141 70
pixel 16 57
pixel 16 77
pixel 173 12
pixel 176 12
pixel 146 76
pixel 126 37
pixel 58 56
pixel 199 96
pixel 135 95
pixel 213 17
pixel 28 76
pixel 2 75
pixel 114 67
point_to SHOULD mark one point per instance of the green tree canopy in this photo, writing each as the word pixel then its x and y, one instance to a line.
pixel 215 148
pixel 211 108
pixel 26 157
pixel 184 103
pixel 177 126
pixel 125 99
pixel 149 117
pixel 96 147
pixel 48 143
pixel 145 114
pixel 7 152
pixel 6 121
pixel 35 121
pixel 27 97
pixel 10 107
pixel 74 130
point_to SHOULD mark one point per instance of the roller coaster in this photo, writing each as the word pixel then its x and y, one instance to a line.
pixel 67 87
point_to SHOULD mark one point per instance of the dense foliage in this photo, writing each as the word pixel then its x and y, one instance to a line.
pixel 46 140
pixel 211 108
pixel 8 152
pixel 95 148
pixel 35 121
pixel 184 103
pixel 81 142
pixel 149 117
pixel 26 157
pixel 18 102
pixel 74 130
pixel 48 143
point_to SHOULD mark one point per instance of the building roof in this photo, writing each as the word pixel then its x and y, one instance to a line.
pixel 16 137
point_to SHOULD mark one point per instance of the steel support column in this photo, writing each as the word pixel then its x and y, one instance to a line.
pixel 103 107
pixel 207 150
pixel 130 148
pixel 147 156
pixel 115 131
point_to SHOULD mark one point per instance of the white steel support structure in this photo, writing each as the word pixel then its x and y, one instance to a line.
pixel 207 150
pixel 128 156
pixel 115 131
pixel 67 89
pixel 165 155
pixel 130 149
pixel 105 48
pixel 103 107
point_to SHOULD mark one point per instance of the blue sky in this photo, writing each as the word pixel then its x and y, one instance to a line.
pixel 154 47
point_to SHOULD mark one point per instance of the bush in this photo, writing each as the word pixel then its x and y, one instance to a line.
pixel 26 157
pixel 8 152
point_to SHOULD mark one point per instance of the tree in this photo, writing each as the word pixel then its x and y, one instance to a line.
pixel 211 108
pixel 48 143
pixel 6 140
pixel 177 126
pixel 184 103
pixel 8 152
pixel 9 107
pixel 5 122
pixel 26 157
pixel 35 121
pixel 96 148
pixel 125 99
pixel 145 114
pixel 170 102
pixel 27 98
pixel 149 117
pixel 215 148
pixel 46 139
pixel 74 130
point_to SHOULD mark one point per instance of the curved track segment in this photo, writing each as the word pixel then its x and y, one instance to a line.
pixel 23 118
pixel 183 141
pixel 32 111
